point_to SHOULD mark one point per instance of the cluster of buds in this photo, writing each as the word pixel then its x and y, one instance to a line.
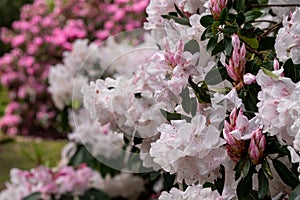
pixel 233 132
pixel 237 63
pixel 216 7
pixel 257 146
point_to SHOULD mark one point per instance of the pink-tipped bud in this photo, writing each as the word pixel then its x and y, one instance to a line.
pixel 237 62
pixel 257 146
pixel 276 64
pixel 233 132
pixel 216 7
pixel 235 41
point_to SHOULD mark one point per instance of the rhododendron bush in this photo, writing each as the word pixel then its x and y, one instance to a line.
pixel 203 105
pixel 45 30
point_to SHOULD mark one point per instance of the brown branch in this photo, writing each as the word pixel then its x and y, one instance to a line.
pixel 272 5
pixel 271 29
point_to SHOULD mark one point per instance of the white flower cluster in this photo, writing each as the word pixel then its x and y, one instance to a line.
pixel 191 193
pixel 288 39
pixel 65 80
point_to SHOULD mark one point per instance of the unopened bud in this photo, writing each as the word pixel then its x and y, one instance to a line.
pixel 216 7
pixel 257 146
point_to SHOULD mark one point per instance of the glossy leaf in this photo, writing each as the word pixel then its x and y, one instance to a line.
pixel 263 184
pixel 192 46
pixel 285 174
pixel 207 20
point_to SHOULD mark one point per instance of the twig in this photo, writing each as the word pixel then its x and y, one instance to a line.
pixel 269 21
pixel 271 29
pixel 255 52
pixel 272 5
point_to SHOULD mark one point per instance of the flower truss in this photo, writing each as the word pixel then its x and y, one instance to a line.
pixel 212 113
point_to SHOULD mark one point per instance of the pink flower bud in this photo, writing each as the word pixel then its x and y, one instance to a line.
pixel 233 132
pixel 216 7
pixel 257 146
pixel 276 64
pixel 237 62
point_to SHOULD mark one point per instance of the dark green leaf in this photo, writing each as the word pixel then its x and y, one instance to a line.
pixel 96 194
pixel 246 168
pixel 218 48
pixel 179 11
pixel 244 187
pixel 207 20
pixel 173 14
pixel 223 15
pixel 239 5
pixel 228 45
pixel 209 185
pixel 82 155
pixel 174 116
pixel 295 195
pixel 263 184
pixel 201 92
pixel 212 42
pixel 238 169
pixel 207 34
pixel 168 182
pixel 182 21
pixel 215 75
pixel 285 174
pixel 240 18
pixel 266 168
pixel 230 29
pixel 192 46
pixel 266 43
pixel 291 71
pixel 33 196
pixel 252 15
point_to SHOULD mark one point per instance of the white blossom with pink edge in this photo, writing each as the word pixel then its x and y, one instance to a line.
pixel 191 150
pixel 191 193
pixel 287 43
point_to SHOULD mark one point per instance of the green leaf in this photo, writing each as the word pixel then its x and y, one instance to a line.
pixel 252 42
pixel 246 168
pixel 218 48
pixel 212 42
pixel 295 194
pixel 285 174
pixel 223 16
pixel 182 21
pixel 266 168
pixel 96 194
pixel 189 105
pixel 291 71
pixel 215 28
pixel 207 34
pixel 201 92
pixel 33 196
pixel 168 182
pixel 82 155
pixel 207 20
pixel 252 15
pixel 238 169
pixel 192 46
pixel 179 11
pixel 230 29
pixel 240 18
pixel 174 116
pixel 244 187
pixel 263 184
pixel 228 45
pixel 266 43
pixel 239 5
pixel 209 185
pixel 216 75
pixel 269 73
